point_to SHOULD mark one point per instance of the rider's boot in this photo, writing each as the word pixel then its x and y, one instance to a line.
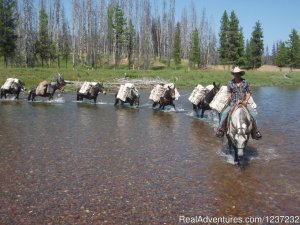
pixel 255 133
pixel 222 128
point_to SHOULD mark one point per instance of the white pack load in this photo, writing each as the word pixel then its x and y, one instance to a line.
pixel 221 99
pixel 9 82
pixel 157 92
pixel 252 103
pixel 197 94
pixel 170 85
pixel 177 95
pixel 85 88
pixel 210 87
pixel 124 91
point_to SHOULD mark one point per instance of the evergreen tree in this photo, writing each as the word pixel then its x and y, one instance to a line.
pixel 8 24
pixel 43 44
pixel 177 45
pixel 294 49
pixel 195 54
pixel 119 31
pixel 223 35
pixel 257 45
pixel 282 55
pixel 241 48
pixel 130 43
pixel 235 38
pixel 274 53
pixel 248 55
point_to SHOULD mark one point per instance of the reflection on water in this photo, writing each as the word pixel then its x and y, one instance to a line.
pixel 83 163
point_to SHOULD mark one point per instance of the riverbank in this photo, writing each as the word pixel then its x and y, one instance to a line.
pixel 182 77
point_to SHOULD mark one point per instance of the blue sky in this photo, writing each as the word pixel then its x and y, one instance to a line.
pixel 278 17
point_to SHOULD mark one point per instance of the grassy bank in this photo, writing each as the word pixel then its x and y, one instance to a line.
pixel 182 77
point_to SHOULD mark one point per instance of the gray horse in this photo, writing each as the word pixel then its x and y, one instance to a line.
pixel 239 130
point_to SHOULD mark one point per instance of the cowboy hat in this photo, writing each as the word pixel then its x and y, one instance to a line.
pixel 237 70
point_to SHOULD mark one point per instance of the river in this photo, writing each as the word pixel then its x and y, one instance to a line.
pixel 67 162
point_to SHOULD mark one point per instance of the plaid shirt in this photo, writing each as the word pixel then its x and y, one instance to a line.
pixel 238 93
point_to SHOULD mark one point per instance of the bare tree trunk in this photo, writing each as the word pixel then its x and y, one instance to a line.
pixel 57 30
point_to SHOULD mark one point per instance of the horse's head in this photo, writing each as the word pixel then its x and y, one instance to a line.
pixel 22 85
pixel 216 88
pixel 213 90
pixel 101 88
pixel 170 93
pixel 60 82
pixel 135 96
pixel 239 127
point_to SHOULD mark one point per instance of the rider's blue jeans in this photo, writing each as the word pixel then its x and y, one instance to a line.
pixel 225 112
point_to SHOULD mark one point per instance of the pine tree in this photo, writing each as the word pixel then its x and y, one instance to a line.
pixel 257 45
pixel 235 38
pixel 119 31
pixel 43 44
pixel 8 24
pixel 294 49
pixel 130 43
pixel 177 45
pixel 282 55
pixel 248 55
pixel 223 35
pixel 195 54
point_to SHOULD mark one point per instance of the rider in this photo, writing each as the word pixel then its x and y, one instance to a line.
pixel 240 93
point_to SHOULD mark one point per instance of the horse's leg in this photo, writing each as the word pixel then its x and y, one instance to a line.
pixel 29 96
pixel 154 104
pixel 195 108
pixel 173 106
pixel 116 101
pixel 202 112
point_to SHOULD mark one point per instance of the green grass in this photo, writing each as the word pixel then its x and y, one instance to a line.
pixel 182 77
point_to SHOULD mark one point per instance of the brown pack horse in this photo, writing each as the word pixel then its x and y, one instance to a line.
pixel 167 99
pixel 203 105
pixel 50 89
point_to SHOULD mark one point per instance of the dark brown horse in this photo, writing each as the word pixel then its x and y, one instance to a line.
pixel 204 103
pixel 50 88
pixel 167 99
pixel 92 93
pixel 133 99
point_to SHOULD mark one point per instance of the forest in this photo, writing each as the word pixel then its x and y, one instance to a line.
pixel 136 34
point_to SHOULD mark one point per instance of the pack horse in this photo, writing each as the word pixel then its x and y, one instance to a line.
pixel 47 88
pixel 12 86
pixel 90 90
pixel 127 94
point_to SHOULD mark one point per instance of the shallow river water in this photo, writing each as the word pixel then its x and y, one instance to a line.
pixel 66 162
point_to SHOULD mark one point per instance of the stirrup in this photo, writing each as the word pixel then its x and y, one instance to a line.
pixel 257 135
pixel 220 133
